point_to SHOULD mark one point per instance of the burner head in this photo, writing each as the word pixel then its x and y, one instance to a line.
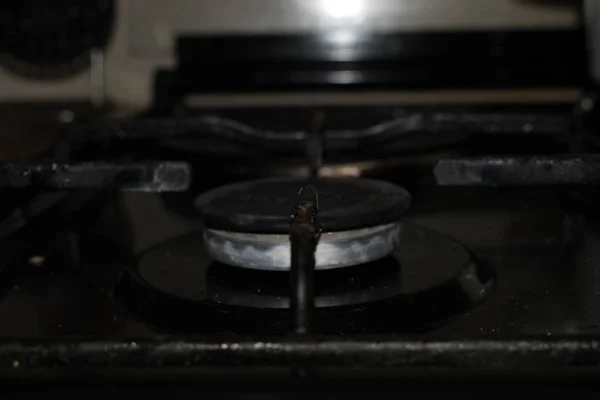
pixel 272 252
pixel 247 224
pixel 264 206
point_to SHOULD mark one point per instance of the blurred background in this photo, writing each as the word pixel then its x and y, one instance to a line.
pixel 192 80
pixel 47 46
pixel 67 60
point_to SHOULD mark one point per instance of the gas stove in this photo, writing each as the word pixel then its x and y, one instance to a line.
pixel 352 210
pixel 464 281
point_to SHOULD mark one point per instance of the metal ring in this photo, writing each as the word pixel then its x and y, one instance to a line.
pixel 272 251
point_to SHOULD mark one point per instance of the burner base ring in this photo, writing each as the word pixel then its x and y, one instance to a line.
pixel 272 251
pixel 428 279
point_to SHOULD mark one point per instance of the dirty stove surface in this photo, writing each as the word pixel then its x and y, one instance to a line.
pixel 540 307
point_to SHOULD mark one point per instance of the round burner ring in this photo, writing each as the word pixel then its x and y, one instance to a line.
pixel 264 206
pixel 247 224
pixel 272 252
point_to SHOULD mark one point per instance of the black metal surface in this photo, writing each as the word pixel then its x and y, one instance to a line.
pixel 322 352
pixel 543 118
pixel 304 235
pixel 315 145
pixel 542 311
pixel 430 278
pixel 21 216
pixel 344 132
pixel 583 171
pixel 356 46
pixel 263 206
pixel 145 177
pixel 369 60
pixel 368 282
pixel 274 383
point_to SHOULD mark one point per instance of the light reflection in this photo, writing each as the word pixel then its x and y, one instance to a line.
pixel 344 77
pixel 342 37
pixel 343 9
pixel 335 171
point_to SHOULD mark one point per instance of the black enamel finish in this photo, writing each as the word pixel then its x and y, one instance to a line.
pixel 265 206
pixel 568 171
pixel 145 177
pixel 540 312
pixel 421 284
pixel 420 60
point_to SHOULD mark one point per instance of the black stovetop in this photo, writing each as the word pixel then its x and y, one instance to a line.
pixel 541 257
pixel 541 307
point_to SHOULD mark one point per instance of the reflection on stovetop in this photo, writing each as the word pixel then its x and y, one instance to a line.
pixel 546 282
pixel 429 278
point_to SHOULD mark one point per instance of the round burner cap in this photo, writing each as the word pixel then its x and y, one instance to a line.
pixel 264 206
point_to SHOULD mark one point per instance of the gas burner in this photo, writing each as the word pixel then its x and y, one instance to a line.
pixel 428 279
pixel 248 225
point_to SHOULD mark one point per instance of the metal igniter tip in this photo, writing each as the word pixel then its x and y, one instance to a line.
pixel 309 194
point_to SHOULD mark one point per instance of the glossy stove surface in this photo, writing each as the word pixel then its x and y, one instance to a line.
pixel 428 279
pixel 546 282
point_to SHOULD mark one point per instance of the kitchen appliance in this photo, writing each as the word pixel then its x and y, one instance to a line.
pixel 330 208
